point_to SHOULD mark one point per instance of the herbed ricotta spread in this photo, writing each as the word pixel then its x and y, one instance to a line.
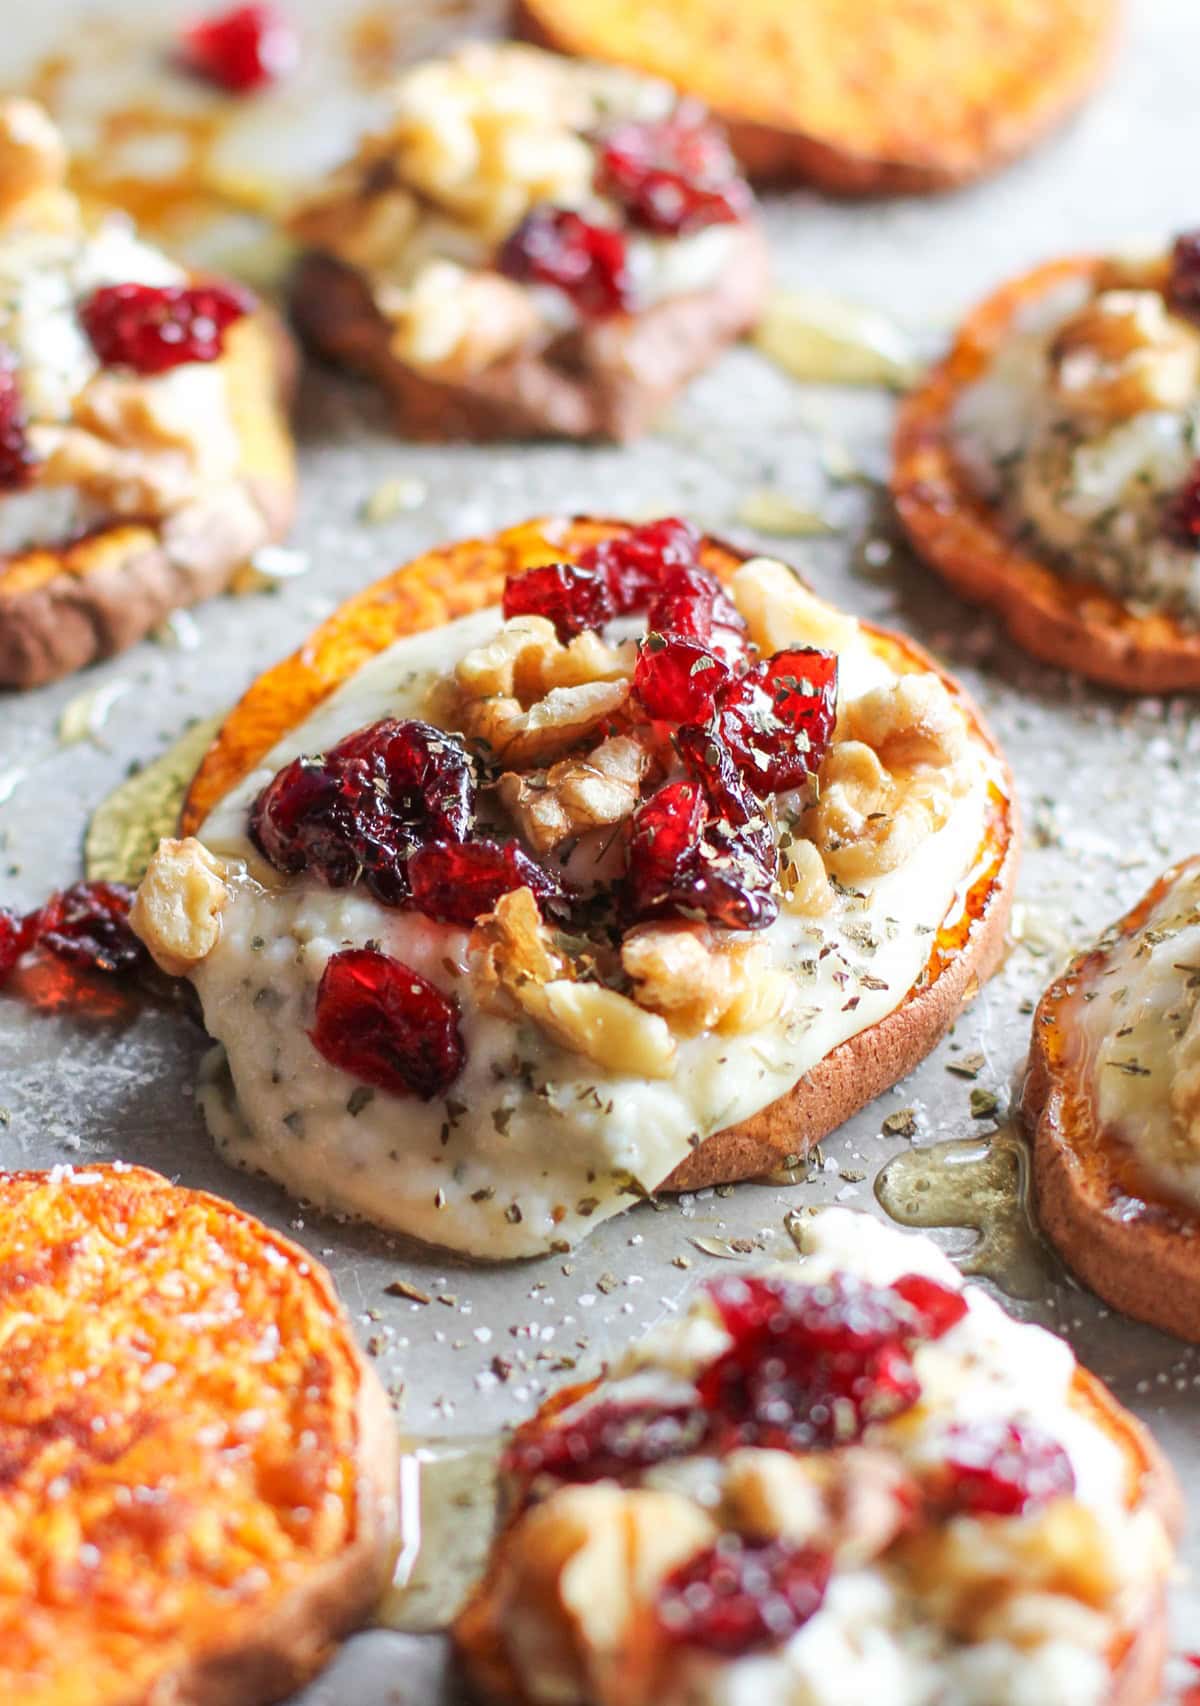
pixel 1140 1022
pixel 1084 431
pixel 973 1613
pixel 535 1143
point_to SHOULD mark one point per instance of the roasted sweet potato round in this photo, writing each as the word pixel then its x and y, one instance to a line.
pixel 196 1465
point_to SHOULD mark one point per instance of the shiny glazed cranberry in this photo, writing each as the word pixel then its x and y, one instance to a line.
pixel 732 804
pixel 242 49
pixel 777 719
pixel 1183 285
pixel 1182 520
pixel 634 566
pixel 693 602
pixel 739 1597
pixel 17 461
pixel 15 938
pixel 683 862
pixel 814 1365
pixel 673 176
pixel 88 924
pixel 359 812
pixel 997 1468
pixel 458 883
pixel 570 597
pixel 677 679
pixel 154 328
pixel 586 262
pixel 383 1023
pixel 605 1441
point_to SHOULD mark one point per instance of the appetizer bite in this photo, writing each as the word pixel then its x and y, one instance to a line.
pixel 1113 1102
pixel 570 864
pixel 144 452
pixel 1049 466
pixel 531 247
pixel 855 95
pixel 198 1495
pixel 845 1480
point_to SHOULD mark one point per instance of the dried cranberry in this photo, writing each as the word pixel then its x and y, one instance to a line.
pixel 683 862
pixel 634 565
pixel 741 1596
pixel 814 1365
pixel 677 679
pixel 938 1307
pixel 999 1468
pixel 153 328
pixel 17 460
pixel 570 597
pixel 383 1023
pixel 1183 284
pixel 672 176
pixel 15 937
pixel 605 1441
pixel 691 601
pixel 732 804
pixel 88 924
pixel 1181 523
pixel 459 883
pixel 242 49
pixel 777 719
pixel 586 262
pixel 360 811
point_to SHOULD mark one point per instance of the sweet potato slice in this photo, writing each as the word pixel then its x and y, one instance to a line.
pixel 457 579
pixel 196 1464
pixel 64 605
pixel 1134 1246
pixel 858 97
pixel 1070 623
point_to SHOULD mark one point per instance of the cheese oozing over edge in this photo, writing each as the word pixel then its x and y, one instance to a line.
pixel 533 1144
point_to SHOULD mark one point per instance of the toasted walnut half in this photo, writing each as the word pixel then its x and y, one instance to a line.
pixel 577 794
pixel 553 725
pixel 701 980
pixel 893 781
pixel 780 611
pixel 177 908
pixel 1123 353
pixel 526 659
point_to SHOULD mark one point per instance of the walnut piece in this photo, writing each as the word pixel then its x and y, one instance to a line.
pixel 1123 353
pixel 780 611
pixel 33 169
pixel 455 322
pixel 577 794
pixel 854 1502
pixel 177 908
pixel 510 948
pixel 892 781
pixel 807 891
pixel 701 979
pixel 550 727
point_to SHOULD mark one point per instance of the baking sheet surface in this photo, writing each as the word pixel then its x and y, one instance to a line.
pixel 1108 788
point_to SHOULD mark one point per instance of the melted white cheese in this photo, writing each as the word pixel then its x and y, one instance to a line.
pixel 1141 1029
pixel 533 1144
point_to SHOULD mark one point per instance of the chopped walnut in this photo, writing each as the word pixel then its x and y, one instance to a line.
pixel 701 980
pixel 893 781
pixel 1123 353
pixel 803 878
pixel 526 660
pixel 780 611
pixel 550 727
pixel 511 947
pixel 577 794
pixel 177 908
pixel 33 169
pixel 455 322
pixel 854 1502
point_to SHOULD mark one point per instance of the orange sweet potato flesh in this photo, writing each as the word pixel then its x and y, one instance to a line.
pixel 1072 624
pixel 858 96
pixel 183 1422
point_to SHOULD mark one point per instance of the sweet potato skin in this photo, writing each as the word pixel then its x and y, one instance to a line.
pixel 458 579
pixel 859 99
pixel 64 606
pixel 607 380
pixel 1071 624
pixel 199 1519
pixel 1135 1248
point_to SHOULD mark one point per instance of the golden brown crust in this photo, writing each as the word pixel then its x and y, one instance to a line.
pixel 859 99
pixel 451 582
pixel 607 380
pixel 1072 624
pixel 64 606
pixel 1130 1245
pixel 197 1522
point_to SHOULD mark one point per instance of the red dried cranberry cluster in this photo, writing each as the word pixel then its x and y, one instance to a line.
pixel 1000 1468
pixel 86 924
pixel 741 1596
pixel 154 328
pixel 383 1023
pixel 586 261
pixel 674 176
pixel 606 1442
pixel 242 49
pixel 17 461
